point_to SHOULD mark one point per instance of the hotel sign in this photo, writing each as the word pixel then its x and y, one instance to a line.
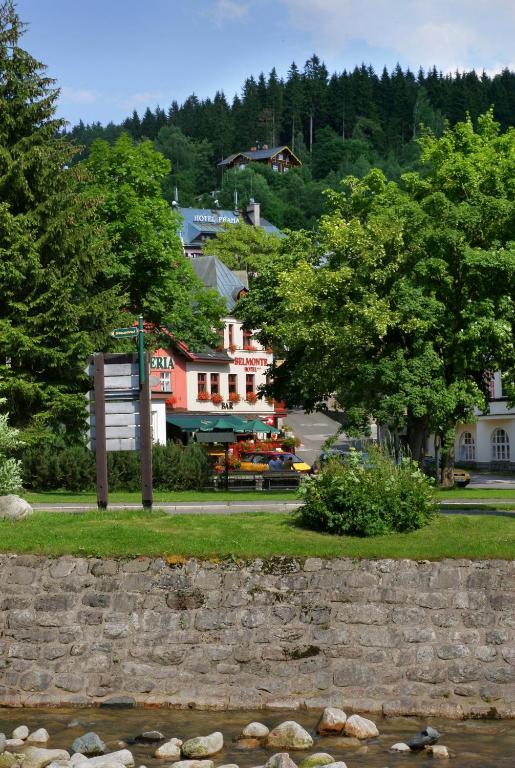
pixel 209 218
pixel 251 363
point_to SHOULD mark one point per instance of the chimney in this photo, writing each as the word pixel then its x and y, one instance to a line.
pixel 265 146
pixel 254 212
pixel 253 149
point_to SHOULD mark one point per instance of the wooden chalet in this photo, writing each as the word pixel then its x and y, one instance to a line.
pixel 280 159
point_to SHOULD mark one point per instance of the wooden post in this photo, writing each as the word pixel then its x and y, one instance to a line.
pixel 146 437
pixel 100 432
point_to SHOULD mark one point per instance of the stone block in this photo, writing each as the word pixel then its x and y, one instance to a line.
pixel 35 681
pixel 456 651
pixel 464 672
pixel 485 652
pixel 353 675
pixel 96 600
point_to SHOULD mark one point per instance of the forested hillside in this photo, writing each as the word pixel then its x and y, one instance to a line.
pixel 337 124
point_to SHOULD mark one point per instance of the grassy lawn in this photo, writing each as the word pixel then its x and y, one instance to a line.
pixel 129 534
pixel 134 497
pixel 475 493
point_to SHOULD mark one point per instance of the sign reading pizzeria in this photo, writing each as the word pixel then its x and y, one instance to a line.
pixel 161 362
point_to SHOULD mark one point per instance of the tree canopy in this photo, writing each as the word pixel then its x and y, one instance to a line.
pixel 241 246
pixel 55 306
pixel 402 303
pixel 147 262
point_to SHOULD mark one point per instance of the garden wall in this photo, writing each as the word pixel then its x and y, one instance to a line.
pixel 399 636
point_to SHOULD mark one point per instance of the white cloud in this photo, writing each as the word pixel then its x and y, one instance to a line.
pixel 78 95
pixel 458 34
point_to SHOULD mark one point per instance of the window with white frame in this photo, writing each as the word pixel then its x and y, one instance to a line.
pixel 500 445
pixel 165 381
pixel 467 447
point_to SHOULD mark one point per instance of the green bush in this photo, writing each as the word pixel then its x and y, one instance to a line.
pixel 10 467
pixel 367 495
pixel 48 467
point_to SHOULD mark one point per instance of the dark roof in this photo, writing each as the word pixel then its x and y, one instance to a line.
pixel 214 274
pixel 203 221
pixel 258 154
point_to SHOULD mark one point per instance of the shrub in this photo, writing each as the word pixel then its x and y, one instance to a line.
pixel 366 495
pixel 10 468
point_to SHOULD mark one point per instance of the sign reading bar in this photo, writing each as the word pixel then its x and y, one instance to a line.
pixel 124 333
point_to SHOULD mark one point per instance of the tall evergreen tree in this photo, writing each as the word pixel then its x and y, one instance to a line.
pixel 51 314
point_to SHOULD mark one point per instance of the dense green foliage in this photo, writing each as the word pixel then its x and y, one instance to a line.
pixel 403 299
pixel 367 495
pixel 243 248
pixel 10 467
pixel 175 468
pixel 147 262
pixel 357 120
pixel 54 306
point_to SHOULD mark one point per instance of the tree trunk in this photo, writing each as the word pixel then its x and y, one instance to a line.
pixel 446 474
pixel 417 436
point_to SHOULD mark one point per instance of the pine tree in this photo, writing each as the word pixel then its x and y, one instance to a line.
pixel 51 316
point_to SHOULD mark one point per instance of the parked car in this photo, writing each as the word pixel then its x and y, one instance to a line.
pixel 461 476
pixel 258 461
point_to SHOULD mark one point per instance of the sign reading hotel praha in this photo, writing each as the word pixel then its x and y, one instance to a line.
pixel 209 218
pixel 251 363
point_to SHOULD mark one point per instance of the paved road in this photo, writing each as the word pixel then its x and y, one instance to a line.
pixel 480 480
pixel 313 429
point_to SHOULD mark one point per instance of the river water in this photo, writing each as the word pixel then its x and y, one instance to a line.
pixel 476 744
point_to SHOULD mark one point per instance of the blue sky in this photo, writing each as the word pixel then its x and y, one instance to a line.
pixel 112 56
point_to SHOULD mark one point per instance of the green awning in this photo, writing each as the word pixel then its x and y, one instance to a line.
pixel 256 425
pixel 196 422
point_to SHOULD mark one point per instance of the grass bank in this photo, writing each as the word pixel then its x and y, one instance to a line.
pixel 134 497
pixel 130 534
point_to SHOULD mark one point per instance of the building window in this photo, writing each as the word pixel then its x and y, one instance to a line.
pixel 249 383
pixel 201 383
pixel 242 166
pixel 467 447
pixel 230 332
pixel 165 381
pixel 215 383
pixel 247 340
pixel 233 384
pixel 500 445
pixel 275 167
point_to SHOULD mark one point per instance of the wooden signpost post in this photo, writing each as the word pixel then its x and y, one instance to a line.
pixel 120 411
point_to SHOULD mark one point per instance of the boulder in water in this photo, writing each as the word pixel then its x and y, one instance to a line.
pixel 319 758
pixel 360 727
pixel 289 735
pixel 203 746
pixel 21 732
pixel 280 760
pixel 170 749
pixel 255 731
pixel 37 757
pixel 425 738
pixel 41 736
pixel 89 744
pixel 332 721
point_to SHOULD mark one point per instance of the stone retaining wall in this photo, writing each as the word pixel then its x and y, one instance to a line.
pixel 396 636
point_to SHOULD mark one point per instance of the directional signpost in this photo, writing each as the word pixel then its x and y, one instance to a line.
pixel 120 417
pixel 124 333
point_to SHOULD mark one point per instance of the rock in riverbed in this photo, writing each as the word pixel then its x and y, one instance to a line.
pixel 360 727
pixel 254 731
pixel 425 738
pixel 90 744
pixel 2 742
pixel 319 758
pixel 194 764
pixel 280 760
pixel 21 732
pixel 438 751
pixel 400 746
pixel 332 721
pixel 203 746
pixel 150 736
pixel 170 749
pixel 41 736
pixel 37 757
pixel 289 735
pixel 122 757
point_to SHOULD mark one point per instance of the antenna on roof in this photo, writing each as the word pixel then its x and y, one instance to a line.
pixel 235 199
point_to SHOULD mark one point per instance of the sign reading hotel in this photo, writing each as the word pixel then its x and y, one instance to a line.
pixel 251 363
pixel 209 218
